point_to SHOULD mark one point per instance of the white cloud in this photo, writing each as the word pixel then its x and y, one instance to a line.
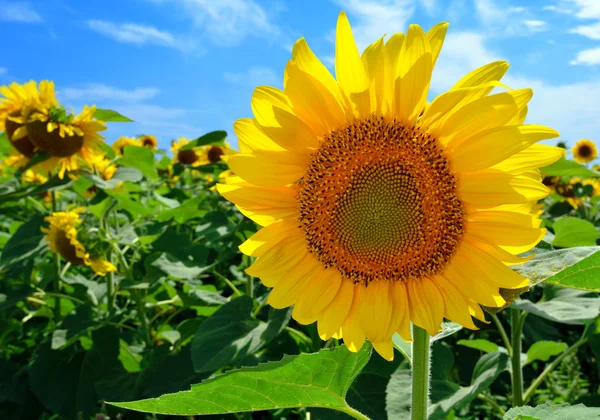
pixel 536 25
pixel 228 22
pixel 586 9
pixel 254 76
pixel 589 31
pixel 18 12
pixel 370 19
pixel 131 33
pixel 588 57
pixel 99 92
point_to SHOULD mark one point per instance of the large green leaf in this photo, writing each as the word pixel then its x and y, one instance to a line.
pixel 307 380
pixel 120 175
pixel 583 275
pixel 569 306
pixel 26 242
pixel 480 344
pixel 108 115
pixel 173 266
pixel 566 167
pixel 141 158
pixel 544 350
pixel 486 371
pixel 231 334
pixel 571 231
pixel 549 264
pixel 549 411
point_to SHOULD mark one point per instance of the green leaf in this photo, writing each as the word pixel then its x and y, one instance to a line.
pixel 141 158
pixel 571 231
pixel 108 115
pixel 231 334
pixel 126 203
pixel 5 145
pixel 569 306
pixel 486 371
pixel 547 264
pixel 307 380
pixel 27 242
pixel 188 210
pixel 549 411
pixel 583 275
pixel 398 395
pixel 175 267
pixel 448 328
pixel 480 344
pixel 120 175
pixel 544 350
pixel 72 326
pixel 214 137
pixel 566 167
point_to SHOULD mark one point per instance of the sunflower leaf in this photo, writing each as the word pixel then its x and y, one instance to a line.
pixel 544 350
pixel 566 167
pixel 141 158
pixel 213 138
pixel 307 380
pixel 583 275
pixel 549 411
pixel 108 115
pixel 571 231
pixel 573 307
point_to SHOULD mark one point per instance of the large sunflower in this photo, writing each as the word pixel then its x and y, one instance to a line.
pixel 17 102
pixel 61 236
pixel 379 209
pixel 67 138
pixel 584 151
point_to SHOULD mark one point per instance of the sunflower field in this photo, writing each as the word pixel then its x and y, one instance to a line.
pixel 364 252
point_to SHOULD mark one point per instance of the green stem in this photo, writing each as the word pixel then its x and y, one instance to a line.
pixel 503 334
pixel 353 413
pixel 549 368
pixel 420 374
pixel 228 282
pixel 139 301
pixel 492 403
pixel 110 293
pixel 517 321
pixel 57 271
pixel 300 335
pixel 250 281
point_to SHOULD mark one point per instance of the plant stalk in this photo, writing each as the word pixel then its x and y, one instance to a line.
pixel 517 321
pixel 57 271
pixel 503 334
pixel 420 373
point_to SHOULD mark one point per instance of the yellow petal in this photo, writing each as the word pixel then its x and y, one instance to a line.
pixel 354 336
pixel 269 236
pixel 489 72
pixel 287 290
pixel 251 137
pixel 492 146
pixel 376 311
pixel 401 320
pixel 385 349
pixel 458 273
pixel 426 304
pixel 490 189
pixel 436 36
pixel 253 197
pixel 373 59
pixel 331 318
pixel 313 102
pixel 496 252
pixel 535 156
pixel 390 56
pixel 268 168
pixel 348 66
pixel 276 262
pixel 455 304
pixel 317 295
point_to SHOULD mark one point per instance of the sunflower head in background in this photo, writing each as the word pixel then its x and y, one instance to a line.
pixel 68 139
pixel 379 209
pixel 16 104
pixel 584 151
pixel 214 153
pixel 63 237
pixel 148 141
pixel 122 142
pixel 191 156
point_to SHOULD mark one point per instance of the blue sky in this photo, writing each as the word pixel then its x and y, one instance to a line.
pixel 186 67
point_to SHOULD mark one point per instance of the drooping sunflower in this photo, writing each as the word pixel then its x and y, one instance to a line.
pixel 214 154
pixel 584 151
pixel 190 156
pixel 69 139
pixel 62 238
pixel 148 141
pixel 379 209
pixel 119 145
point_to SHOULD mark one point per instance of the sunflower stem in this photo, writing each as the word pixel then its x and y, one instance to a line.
pixel 517 321
pixel 420 373
pixel 503 334
pixel 57 270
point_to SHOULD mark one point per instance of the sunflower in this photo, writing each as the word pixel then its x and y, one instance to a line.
pixel 191 156
pixel 65 137
pixel 119 145
pixel 584 151
pixel 379 209
pixel 17 103
pixel 148 141
pixel 213 154
pixel 569 191
pixel 61 237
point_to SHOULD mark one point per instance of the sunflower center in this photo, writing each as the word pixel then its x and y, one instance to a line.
pixel 378 201
pixel 23 145
pixel 148 143
pixel 214 154
pixel 187 156
pixel 66 249
pixel 585 151
pixel 53 143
